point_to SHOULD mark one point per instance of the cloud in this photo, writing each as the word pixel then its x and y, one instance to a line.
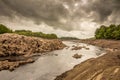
pixel 67 15
pixel 39 10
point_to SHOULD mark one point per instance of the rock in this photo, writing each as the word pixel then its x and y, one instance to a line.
pixel 15 45
pixel 24 47
pixel 76 48
pixel 106 67
pixel 118 56
pixel 87 48
pixel 8 65
pixel 56 54
pixel 79 47
pixel 77 56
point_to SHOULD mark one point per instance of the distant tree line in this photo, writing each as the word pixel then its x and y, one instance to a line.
pixel 108 32
pixel 4 29
pixel 69 38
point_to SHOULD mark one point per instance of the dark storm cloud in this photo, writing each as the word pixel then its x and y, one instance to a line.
pixel 4 10
pixel 47 11
pixel 105 8
pixel 62 13
pixel 30 8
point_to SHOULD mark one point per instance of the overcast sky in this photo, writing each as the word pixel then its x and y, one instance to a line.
pixel 78 18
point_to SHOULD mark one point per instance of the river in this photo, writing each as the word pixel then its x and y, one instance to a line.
pixel 47 67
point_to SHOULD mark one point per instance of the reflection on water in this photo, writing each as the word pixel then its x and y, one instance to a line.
pixel 47 67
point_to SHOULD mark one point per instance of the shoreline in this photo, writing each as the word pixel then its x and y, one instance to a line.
pixel 16 50
pixel 102 68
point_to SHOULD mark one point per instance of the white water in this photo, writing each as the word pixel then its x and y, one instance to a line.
pixel 47 67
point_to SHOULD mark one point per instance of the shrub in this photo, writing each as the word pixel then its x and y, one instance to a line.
pixel 4 29
pixel 36 34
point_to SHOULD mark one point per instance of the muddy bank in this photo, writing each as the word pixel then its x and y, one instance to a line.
pixel 112 44
pixel 106 67
pixel 18 49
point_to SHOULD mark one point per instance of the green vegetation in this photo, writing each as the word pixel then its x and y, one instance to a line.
pixel 4 29
pixel 108 32
pixel 69 38
pixel 36 34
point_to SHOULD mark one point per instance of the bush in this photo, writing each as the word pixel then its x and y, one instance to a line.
pixel 24 32
pixel 4 29
pixel 36 34
pixel 110 32
pixel 69 38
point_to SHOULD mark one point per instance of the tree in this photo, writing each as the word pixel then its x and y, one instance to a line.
pixel 100 32
pixel 36 34
pixel 110 32
pixel 4 29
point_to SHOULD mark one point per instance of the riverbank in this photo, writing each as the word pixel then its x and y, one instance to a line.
pixel 16 50
pixel 106 67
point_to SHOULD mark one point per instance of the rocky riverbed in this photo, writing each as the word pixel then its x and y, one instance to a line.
pixel 106 67
pixel 16 50
pixel 54 63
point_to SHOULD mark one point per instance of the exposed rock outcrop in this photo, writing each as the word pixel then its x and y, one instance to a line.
pixel 111 44
pixel 77 56
pixel 79 47
pixel 19 45
pixel 8 65
pixel 76 48
pixel 106 67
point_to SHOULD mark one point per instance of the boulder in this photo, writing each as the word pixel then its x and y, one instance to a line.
pixel 77 56
pixel 15 45
pixel 23 48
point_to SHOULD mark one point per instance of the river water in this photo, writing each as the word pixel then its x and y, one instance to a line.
pixel 47 67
